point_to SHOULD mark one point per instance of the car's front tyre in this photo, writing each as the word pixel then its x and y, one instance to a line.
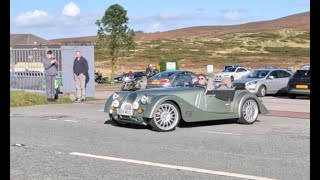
pixel 166 117
pixel 262 91
pixel 249 111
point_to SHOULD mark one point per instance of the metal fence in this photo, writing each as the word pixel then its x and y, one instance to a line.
pixel 26 68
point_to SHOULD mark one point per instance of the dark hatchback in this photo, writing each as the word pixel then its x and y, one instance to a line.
pixel 170 79
pixel 299 84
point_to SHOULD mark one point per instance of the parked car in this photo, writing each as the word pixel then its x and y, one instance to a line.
pixel 265 81
pixel 170 79
pixel 118 79
pixel 226 67
pixel 164 108
pixel 233 72
pixel 299 84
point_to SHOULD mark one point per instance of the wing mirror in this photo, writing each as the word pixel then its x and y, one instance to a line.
pixel 271 77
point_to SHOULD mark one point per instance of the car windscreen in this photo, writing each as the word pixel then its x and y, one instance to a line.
pixel 230 69
pixel 302 73
pixel 258 74
pixel 163 75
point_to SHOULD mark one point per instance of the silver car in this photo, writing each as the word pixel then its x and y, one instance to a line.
pixel 265 81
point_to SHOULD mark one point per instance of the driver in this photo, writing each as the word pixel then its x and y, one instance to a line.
pixel 202 79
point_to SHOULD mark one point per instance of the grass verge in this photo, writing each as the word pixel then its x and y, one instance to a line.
pixel 22 98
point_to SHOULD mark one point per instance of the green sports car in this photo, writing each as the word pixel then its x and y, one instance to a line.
pixel 164 108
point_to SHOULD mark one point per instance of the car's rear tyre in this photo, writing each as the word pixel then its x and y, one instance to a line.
pixel 262 91
pixel 292 96
pixel 166 117
pixel 117 123
pixel 249 111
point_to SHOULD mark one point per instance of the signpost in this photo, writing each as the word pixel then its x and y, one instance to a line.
pixel 210 69
pixel 171 66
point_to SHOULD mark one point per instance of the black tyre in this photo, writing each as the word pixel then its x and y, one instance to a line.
pixel 262 91
pixel 166 117
pixel 292 96
pixel 249 111
pixel 117 123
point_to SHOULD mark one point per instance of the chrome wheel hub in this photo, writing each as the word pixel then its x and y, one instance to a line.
pixel 250 111
pixel 166 117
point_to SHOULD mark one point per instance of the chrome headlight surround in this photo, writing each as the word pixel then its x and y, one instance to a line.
pixel 252 83
pixel 144 99
pixel 115 96
pixel 135 105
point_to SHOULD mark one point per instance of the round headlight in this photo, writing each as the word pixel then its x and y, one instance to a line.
pixel 135 105
pixel 144 99
pixel 115 103
pixel 115 96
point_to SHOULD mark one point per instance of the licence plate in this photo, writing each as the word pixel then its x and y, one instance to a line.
pixel 126 112
pixel 155 82
pixel 302 86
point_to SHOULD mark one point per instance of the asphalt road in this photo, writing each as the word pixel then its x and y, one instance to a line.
pixel 76 141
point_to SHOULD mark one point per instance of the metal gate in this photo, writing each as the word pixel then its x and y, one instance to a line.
pixel 26 68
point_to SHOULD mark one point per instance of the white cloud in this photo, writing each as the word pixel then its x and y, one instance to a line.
pixel 32 18
pixel 71 9
pixel 155 27
pixel 235 14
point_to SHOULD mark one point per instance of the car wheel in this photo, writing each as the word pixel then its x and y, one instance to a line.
pixel 117 123
pixel 262 91
pixel 291 96
pixel 166 117
pixel 232 78
pixel 249 111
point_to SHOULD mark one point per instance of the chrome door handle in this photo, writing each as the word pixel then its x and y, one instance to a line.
pixel 228 104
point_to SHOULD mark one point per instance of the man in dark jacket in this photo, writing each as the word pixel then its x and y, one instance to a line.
pixel 149 71
pixel 50 65
pixel 80 71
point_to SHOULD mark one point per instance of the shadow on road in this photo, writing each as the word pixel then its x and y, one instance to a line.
pixel 130 126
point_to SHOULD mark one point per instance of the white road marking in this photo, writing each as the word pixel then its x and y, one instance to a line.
pixel 53 119
pixel 70 121
pixel 220 173
pixel 101 110
pixel 213 132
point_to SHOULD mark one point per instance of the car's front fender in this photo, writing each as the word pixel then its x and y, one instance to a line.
pixel 156 101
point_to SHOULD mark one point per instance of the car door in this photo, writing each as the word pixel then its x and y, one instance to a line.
pixel 283 79
pixel 219 101
pixel 273 84
pixel 240 72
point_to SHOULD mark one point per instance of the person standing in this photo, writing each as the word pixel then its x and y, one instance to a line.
pixel 50 64
pixel 80 71
pixel 149 71
pixel 155 71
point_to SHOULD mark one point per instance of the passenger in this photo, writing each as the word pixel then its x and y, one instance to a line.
pixel 226 83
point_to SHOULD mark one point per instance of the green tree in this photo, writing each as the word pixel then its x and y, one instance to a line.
pixel 114 34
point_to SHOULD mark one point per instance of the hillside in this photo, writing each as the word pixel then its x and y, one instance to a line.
pixel 300 22
pixel 283 42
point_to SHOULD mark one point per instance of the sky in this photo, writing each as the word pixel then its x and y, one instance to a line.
pixel 65 18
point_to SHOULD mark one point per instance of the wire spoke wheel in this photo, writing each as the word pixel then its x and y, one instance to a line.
pixel 250 111
pixel 166 117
